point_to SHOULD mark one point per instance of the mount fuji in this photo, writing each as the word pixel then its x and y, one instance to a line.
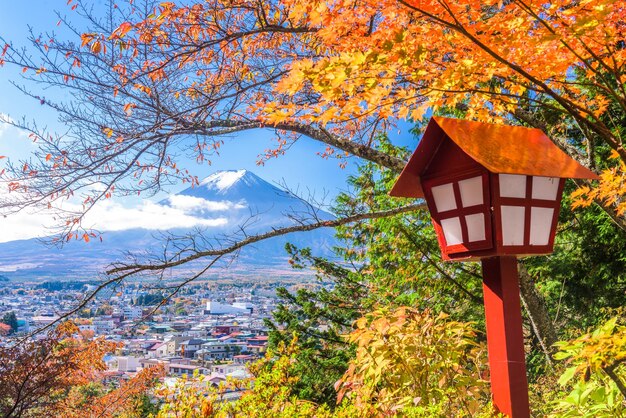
pixel 223 207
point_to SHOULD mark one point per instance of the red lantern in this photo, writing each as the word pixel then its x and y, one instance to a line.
pixel 525 212
pixel 493 192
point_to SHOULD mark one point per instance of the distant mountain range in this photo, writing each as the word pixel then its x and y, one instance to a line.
pixel 220 206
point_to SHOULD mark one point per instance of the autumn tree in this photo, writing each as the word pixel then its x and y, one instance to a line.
pixel 10 319
pixel 319 70
pixel 150 79
pixel 44 369
pixel 132 397
pixel 319 318
pixel 368 276
pixel 595 375
pixel 442 377
pixel 49 376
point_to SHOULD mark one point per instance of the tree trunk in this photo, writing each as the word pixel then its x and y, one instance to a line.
pixel 535 307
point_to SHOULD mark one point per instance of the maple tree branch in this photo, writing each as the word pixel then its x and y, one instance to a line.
pixel 610 371
pixel 345 144
pixel 573 109
pixel 251 239
pixel 120 272
pixel 321 135
pixel 606 88
pixel 141 135
pixel 447 276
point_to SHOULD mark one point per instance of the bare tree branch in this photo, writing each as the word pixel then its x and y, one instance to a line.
pixel 120 272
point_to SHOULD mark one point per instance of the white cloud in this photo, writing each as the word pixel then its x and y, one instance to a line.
pixel 112 216
pixel 192 203
pixel 23 225
pixel 14 142
pixel 5 122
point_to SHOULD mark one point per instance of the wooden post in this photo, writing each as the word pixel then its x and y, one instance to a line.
pixel 505 340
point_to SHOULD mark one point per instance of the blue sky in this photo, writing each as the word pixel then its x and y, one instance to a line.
pixel 300 168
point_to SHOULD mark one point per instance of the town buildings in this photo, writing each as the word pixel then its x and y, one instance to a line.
pixel 212 331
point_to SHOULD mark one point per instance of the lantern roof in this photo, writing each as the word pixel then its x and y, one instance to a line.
pixel 499 148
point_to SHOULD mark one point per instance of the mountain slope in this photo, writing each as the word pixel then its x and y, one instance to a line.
pixel 244 195
pixel 240 200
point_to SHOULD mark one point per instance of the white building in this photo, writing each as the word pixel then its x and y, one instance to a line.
pixel 132 312
pixel 175 369
pixel 244 305
pixel 220 350
pixel 157 350
pixel 123 364
pixel 41 321
pixel 104 326
pixel 238 308
pixel 228 369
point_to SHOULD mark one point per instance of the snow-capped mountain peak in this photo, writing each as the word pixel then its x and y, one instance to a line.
pixel 235 185
pixel 222 180
pixel 223 204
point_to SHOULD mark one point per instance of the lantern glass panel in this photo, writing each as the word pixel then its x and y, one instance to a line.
pixel 512 225
pixel 452 231
pixel 512 185
pixel 545 188
pixel 444 197
pixel 540 225
pixel 475 227
pixel 471 191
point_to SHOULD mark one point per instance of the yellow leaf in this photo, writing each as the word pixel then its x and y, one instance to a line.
pixel 108 132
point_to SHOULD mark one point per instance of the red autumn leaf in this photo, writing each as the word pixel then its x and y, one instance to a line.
pixel 122 30
pixel 86 38
pixel 96 47
pixel 128 108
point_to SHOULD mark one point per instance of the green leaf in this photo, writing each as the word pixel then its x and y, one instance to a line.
pixel 567 376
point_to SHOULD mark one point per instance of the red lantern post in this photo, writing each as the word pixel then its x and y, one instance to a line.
pixel 494 193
